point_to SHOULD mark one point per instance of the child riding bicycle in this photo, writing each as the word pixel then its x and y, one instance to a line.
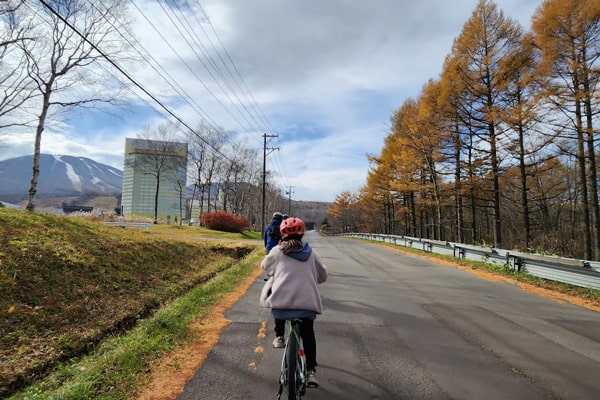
pixel 295 270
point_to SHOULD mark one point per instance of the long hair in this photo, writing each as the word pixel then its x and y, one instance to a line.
pixel 291 244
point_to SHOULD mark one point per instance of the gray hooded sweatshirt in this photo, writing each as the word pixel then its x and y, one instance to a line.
pixel 293 280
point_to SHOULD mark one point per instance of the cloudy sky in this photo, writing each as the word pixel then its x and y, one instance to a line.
pixel 324 76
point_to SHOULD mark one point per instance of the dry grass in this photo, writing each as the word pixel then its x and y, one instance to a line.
pixel 66 283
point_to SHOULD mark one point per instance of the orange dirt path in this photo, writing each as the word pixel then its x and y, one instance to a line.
pixel 169 376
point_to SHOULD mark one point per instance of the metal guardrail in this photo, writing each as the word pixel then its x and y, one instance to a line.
pixel 567 270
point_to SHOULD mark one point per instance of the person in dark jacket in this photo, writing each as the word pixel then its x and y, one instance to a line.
pixel 272 234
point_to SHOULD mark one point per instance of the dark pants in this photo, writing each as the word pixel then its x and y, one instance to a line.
pixel 307 333
pixel 279 327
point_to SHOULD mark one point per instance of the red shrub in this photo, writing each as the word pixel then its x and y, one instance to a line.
pixel 224 221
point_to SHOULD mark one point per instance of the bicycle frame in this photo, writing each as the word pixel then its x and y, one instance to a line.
pixel 293 364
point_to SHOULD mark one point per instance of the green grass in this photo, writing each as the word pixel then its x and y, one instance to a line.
pixel 71 288
pixel 110 372
pixel 186 232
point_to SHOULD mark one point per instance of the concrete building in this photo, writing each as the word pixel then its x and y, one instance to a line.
pixel 150 165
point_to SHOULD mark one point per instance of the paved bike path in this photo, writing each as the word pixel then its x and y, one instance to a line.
pixel 402 327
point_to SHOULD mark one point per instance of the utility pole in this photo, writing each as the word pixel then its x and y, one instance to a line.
pixel 289 193
pixel 264 179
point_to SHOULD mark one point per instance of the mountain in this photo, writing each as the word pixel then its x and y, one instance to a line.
pixel 60 176
pixel 82 181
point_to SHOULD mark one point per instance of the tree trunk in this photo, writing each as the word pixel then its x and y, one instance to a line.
pixel 192 205
pixel 458 189
pixel 438 210
pixel 592 159
pixel 587 238
pixel 495 186
pixel 201 202
pixel 181 204
pixel 473 205
pixel 413 213
pixel 37 148
pixel 524 197
pixel 156 198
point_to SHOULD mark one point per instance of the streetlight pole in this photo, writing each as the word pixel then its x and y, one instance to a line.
pixel 289 193
pixel 264 179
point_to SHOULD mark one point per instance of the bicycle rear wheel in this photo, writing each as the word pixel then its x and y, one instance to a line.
pixel 293 388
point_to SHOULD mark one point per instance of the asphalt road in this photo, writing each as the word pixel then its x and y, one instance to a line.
pixel 404 327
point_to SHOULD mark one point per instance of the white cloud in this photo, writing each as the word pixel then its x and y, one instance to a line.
pixel 326 74
pixel 323 184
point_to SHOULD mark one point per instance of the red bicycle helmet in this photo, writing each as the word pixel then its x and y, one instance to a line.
pixel 291 226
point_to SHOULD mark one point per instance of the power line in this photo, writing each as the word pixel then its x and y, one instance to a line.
pixel 171 81
pixel 192 33
pixel 246 93
pixel 121 70
pixel 179 18
pixel 265 119
pixel 185 63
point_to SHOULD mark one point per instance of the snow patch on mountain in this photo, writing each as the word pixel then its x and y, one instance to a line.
pixel 71 174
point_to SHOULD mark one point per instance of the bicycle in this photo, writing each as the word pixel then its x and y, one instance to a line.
pixel 293 364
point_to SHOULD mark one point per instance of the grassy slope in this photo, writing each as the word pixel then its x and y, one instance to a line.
pixel 67 284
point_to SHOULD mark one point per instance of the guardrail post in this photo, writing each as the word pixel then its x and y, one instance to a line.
pixel 461 252
pixel 517 262
pixel 586 264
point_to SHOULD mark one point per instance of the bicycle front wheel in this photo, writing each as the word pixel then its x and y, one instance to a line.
pixel 292 372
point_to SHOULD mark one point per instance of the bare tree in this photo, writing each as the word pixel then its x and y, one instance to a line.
pixel 205 154
pixel 198 150
pixel 61 60
pixel 240 172
pixel 181 187
pixel 218 139
pixel 16 88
